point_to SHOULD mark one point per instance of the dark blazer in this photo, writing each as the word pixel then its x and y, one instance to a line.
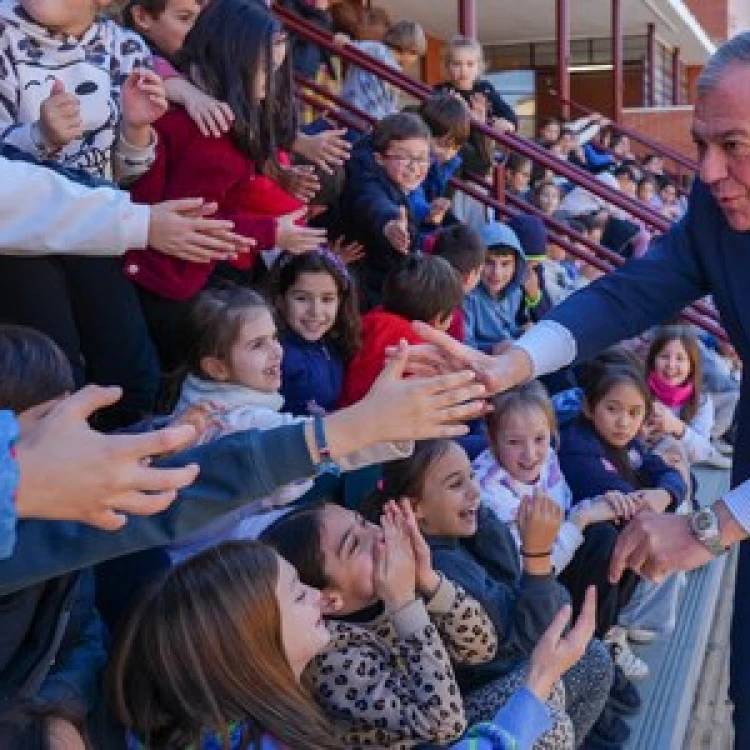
pixel 700 255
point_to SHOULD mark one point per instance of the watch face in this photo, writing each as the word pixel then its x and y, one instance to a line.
pixel 703 522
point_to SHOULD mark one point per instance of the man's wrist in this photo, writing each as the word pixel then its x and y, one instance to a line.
pixel 730 530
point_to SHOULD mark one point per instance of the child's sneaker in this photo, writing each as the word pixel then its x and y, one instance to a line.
pixel 642 636
pixel 633 667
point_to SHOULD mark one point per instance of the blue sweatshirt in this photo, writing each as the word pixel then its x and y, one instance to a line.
pixel 491 319
pixel 589 471
pixel 311 371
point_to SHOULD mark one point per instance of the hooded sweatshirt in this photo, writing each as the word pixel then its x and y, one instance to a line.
pixel 237 408
pixel 490 319
pixel 93 67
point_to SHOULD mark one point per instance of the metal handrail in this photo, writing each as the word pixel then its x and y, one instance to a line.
pixel 652 145
pixel 598 256
pixel 525 147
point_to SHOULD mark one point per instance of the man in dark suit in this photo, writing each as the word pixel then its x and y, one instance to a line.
pixel 707 252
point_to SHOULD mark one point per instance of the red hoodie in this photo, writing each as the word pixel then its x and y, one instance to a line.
pixel 189 165
pixel 380 330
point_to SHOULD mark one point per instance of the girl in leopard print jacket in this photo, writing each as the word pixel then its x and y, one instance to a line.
pixel 386 677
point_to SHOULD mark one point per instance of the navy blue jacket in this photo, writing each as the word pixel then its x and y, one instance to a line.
pixel 589 472
pixel 701 254
pixel 521 606
pixel 370 200
pixel 233 470
pixel 51 656
pixel 310 371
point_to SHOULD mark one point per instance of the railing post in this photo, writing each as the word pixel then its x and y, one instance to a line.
pixel 676 77
pixel 467 18
pixel 617 64
pixel 562 17
pixel 498 183
pixel 651 63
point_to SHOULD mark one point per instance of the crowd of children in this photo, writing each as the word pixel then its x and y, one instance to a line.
pixel 353 567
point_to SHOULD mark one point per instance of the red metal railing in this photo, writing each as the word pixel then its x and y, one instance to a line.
pixel 598 256
pixel 689 165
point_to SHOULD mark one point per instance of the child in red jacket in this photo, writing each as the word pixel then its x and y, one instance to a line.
pixel 421 288
pixel 236 52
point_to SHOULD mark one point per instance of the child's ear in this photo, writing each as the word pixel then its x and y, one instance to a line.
pixel 586 408
pixel 331 602
pixel 215 368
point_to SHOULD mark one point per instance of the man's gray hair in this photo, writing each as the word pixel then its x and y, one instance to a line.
pixel 735 51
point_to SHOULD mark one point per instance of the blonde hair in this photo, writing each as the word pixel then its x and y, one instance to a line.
pixel 532 395
pixel 460 42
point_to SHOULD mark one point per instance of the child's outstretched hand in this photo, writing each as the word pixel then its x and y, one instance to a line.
pixel 348 252
pixel 144 100
pixel 624 506
pixel 213 118
pixel 479 106
pixel 205 418
pixel 554 655
pixel 438 209
pixel 394 573
pixel 299 181
pixel 539 519
pixel 427 579
pixel 60 119
pixel 396 231
pixel 593 510
pixel 295 239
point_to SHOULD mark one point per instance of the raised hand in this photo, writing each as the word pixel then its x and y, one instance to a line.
pixel 394 573
pixel 539 519
pixel 297 239
pixel 328 150
pixel 299 181
pixel 555 654
pixel 396 231
pixel 348 252
pixel 181 228
pixel 143 102
pixel 427 579
pixel 71 472
pixel 60 119
pixel 438 209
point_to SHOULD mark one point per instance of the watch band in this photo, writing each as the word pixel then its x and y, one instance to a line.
pixel 321 442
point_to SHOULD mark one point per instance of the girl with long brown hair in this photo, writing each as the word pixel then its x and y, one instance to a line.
pixel 211 657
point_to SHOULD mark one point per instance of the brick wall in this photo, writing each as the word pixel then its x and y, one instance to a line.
pixel 713 16
pixel 668 126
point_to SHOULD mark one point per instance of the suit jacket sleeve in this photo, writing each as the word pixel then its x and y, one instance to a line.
pixel 640 294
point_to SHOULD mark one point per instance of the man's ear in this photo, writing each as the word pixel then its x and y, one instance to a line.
pixel 215 369
pixel 331 602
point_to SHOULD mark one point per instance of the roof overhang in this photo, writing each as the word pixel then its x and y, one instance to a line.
pixel 504 22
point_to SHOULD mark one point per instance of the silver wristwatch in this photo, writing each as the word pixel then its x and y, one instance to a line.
pixel 704 526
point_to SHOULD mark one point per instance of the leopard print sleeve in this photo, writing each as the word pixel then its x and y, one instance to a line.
pixel 396 695
pixel 466 628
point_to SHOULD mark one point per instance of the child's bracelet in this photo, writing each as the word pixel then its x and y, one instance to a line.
pixel 524 553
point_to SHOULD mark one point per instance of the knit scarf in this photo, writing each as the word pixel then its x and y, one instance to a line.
pixel 673 396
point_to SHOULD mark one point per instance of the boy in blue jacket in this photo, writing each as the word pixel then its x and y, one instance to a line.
pixel 510 294
pixel 385 168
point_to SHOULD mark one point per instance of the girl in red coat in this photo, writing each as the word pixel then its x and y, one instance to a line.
pixel 236 53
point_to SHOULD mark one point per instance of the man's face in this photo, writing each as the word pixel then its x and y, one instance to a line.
pixel 721 131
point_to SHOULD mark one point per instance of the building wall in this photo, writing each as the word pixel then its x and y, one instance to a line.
pixel 670 126
pixel 739 16
pixel 713 15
